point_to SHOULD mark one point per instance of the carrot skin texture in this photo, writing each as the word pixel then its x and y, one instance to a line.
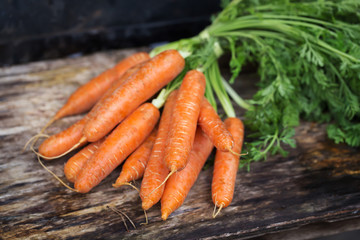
pixel 155 73
pixel 114 86
pixel 59 143
pixel 214 127
pixel 226 166
pixel 76 162
pixel 178 185
pixel 184 120
pixel 156 170
pixel 135 164
pixel 88 94
pixel 124 139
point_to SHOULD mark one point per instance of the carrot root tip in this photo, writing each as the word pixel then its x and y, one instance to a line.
pixel 117 185
pixel 168 176
pixel 215 213
pixel 122 215
pixel 55 176
pixel 32 141
pixel 146 219
pixel 237 154
pixel 48 124
pixel 164 216
pixel 35 138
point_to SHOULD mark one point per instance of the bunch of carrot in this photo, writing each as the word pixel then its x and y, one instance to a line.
pixel 167 150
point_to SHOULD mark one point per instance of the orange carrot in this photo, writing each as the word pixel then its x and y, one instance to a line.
pixel 155 74
pixel 76 162
pixel 156 170
pixel 179 184
pixel 88 94
pixel 134 166
pixel 214 127
pixel 184 120
pixel 226 166
pixel 118 145
pixel 121 80
pixel 62 142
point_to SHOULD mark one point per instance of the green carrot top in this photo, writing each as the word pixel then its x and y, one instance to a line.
pixel 308 58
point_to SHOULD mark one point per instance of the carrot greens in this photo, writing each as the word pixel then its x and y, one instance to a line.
pixel 308 58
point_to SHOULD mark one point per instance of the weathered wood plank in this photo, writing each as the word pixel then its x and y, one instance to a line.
pixel 313 184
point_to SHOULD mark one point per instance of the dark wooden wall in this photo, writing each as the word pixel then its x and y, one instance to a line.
pixel 32 30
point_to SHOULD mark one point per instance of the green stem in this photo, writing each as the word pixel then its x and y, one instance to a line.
pixel 209 94
pixel 271 7
pixel 233 29
pixel 183 45
pixel 274 138
pixel 239 24
pixel 216 81
pixel 297 18
pixel 269 34
pixel 326 46
pixel 237 99
pixel 160 100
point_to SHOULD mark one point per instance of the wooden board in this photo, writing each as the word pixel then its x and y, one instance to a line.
pixel 316 183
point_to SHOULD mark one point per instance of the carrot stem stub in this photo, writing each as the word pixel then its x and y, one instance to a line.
pixel 184 120
pixel 226 166
pixel 124 139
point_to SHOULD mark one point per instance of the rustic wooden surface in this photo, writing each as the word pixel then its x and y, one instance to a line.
pixel 317 182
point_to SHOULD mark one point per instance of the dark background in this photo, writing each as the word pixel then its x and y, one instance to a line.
pixel 32 30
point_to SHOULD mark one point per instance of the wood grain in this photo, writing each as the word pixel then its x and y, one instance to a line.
pixel 317 182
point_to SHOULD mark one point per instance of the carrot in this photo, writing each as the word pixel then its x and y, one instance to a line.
pixel 125 138
pixel 226 166
pixel 88 94
pixel 179 184
pixel 214 127
pixel 134 166
pixel 121 80
pixel 184 120
pixel 63 142
pixel 156 170
pixel 155 74
pixel 76 162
